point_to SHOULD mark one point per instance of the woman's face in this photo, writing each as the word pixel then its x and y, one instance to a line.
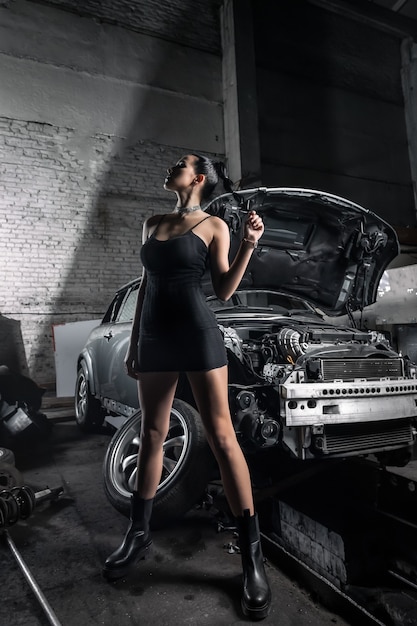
pixel 182 175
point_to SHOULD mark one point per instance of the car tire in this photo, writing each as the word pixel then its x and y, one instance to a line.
pixel 6 457
pixel 187 465
pixel 89 414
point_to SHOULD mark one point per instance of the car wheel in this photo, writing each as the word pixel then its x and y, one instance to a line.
pixel 88 412
pixel 186 470
pixel 6 456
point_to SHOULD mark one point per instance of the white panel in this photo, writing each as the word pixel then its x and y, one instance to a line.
pixel 69 340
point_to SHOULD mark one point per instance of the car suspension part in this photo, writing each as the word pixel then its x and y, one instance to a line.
pixel 17 504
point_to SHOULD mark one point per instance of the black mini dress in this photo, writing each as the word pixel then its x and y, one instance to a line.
pixel 178 331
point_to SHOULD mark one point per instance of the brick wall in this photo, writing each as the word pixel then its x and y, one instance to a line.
pixel 193 23
pixel 86 133
pixel 70 227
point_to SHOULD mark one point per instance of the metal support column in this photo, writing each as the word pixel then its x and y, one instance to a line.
pixel 240 94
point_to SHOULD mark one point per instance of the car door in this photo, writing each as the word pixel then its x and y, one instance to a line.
pixel 113 382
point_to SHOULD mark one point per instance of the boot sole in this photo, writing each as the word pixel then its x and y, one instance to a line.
pixel 256 614
pixel 120 572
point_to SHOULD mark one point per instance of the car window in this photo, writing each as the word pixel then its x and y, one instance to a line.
pixel 127 309
pixel 113 310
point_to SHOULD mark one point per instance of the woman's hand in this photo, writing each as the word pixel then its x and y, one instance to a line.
pixel 227 277
pixel 254 227
pixel 131 366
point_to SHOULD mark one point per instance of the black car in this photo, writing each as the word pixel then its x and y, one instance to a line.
pixel 297 384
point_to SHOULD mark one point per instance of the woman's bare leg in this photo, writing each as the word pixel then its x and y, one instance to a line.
pixel 210 393
pixel 156 394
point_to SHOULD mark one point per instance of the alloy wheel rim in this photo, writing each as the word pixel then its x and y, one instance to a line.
pixel 124 455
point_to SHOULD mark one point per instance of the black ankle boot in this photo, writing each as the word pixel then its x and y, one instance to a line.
pixel 136 543
pixel 256 598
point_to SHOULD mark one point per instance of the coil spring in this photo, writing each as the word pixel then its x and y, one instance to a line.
pixel 16 504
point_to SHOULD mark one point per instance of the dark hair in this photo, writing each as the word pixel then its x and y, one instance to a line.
pixel 213 171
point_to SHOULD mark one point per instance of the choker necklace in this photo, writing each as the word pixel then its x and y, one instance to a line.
pixel 183 210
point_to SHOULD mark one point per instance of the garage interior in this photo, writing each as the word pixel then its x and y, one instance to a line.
pixel 98 99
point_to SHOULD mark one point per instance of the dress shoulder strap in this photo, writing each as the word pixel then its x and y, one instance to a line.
pixel 203 220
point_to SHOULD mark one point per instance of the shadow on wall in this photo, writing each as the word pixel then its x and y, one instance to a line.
pixel 12 350
pixel 114 182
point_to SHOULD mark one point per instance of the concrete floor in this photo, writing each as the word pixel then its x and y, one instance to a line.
pixel 191 578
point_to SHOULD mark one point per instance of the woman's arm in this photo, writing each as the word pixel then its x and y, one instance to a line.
pixel 131 359
pixel 132 350
pixel 225 277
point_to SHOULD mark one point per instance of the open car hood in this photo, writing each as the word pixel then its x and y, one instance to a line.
pixel 317 246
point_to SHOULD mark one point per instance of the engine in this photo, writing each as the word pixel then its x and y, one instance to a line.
pixel 298 353
pixel 273 356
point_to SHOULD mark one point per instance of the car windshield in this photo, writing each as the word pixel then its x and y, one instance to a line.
pixel 261 300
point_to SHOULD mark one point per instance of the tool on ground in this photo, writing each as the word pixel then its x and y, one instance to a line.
pixel 18 504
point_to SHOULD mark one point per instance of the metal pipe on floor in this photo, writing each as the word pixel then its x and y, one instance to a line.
pixel 52 618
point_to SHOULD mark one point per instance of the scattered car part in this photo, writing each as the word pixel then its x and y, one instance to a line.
pixel 18 503
pixel 46 607
pixel 7 456
pixel 21 420
pixel 10 476
pixel 14 418
pixel 15 387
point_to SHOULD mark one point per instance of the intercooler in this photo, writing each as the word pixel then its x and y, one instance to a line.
pixel 368 436
pixel 350 369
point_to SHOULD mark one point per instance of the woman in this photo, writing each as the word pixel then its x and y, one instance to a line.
pixel 174 330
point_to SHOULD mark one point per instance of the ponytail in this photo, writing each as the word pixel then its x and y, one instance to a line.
pixel 220 168
pixel 213 171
